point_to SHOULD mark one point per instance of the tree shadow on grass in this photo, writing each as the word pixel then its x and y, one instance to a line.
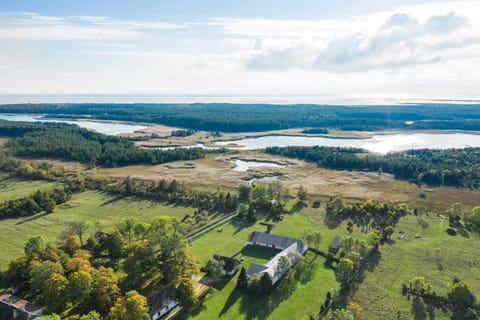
pixel 239 224
pixel 261 306
pixel 418 311
pixel 232 299
pixel 34 217
pixel 196 310
pixel 348 291
pixel 221 283
pixel 299 206
pixel 112 200
pixel 463 232
pixel 308 271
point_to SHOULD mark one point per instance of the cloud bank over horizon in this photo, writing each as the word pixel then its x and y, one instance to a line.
pixel 428 50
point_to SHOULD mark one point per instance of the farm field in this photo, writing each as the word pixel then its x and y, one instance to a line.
pixel 11 189
pixel 436 256
pixel 96 209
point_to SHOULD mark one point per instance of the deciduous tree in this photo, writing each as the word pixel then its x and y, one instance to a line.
pixel 214 268
pixel 54 292
pixel 344 270
pixel 313 238
pixel 185 293
pixel 131 307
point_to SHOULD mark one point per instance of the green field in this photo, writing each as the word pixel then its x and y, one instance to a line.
pixel 91 207
pixel 291 300
pixel 11 189
pixel 379 295
pixel 294 300
pixel 436 256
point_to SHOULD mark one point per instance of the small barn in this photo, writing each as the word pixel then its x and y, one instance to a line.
pixel 335 244
pixel 231 265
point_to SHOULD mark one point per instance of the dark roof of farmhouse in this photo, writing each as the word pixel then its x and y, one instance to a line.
pixel 336 242
pixel 161 298
pixel 230 263
pixel 277 241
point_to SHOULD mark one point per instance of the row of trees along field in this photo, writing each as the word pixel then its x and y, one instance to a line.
pixel 74 277
pixel 166 191
pixel 450 167
pixel 36 203
pixel 262 117
pixel 460 300
pixel 367 214
pixel 70 142
pixel 163 190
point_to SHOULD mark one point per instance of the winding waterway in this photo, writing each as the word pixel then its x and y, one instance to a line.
pixel 380 143
pixel 108 128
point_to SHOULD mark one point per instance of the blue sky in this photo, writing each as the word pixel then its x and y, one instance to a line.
pixel 355 49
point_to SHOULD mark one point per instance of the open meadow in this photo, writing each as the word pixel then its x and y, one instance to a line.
pixel 215 171
pixel 98 210
pixel 11 189
pixel 434 255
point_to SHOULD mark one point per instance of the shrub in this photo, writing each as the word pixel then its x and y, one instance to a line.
pixel 451 231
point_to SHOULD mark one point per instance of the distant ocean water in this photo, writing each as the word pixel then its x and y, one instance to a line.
pixel 165 98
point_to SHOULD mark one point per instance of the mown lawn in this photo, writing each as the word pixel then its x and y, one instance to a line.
pixel 292 300
pixel 97 209
pixel 11 189
pixel 436 256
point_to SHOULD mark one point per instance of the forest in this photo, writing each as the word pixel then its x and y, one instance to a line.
pixel 262 117
pixel 69 142
pixel 450 167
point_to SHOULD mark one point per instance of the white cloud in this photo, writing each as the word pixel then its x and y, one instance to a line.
pixel 400 41
pixel 430 50
pixel 32 26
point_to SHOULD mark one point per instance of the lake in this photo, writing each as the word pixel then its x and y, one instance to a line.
pixel 244 165
pixel 108 128
pixel 380 143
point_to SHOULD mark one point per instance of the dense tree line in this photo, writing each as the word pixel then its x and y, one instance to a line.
pixel 450 167
pixel 70 142
pixel 262 117
pixel 36 203
pixel 182 133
